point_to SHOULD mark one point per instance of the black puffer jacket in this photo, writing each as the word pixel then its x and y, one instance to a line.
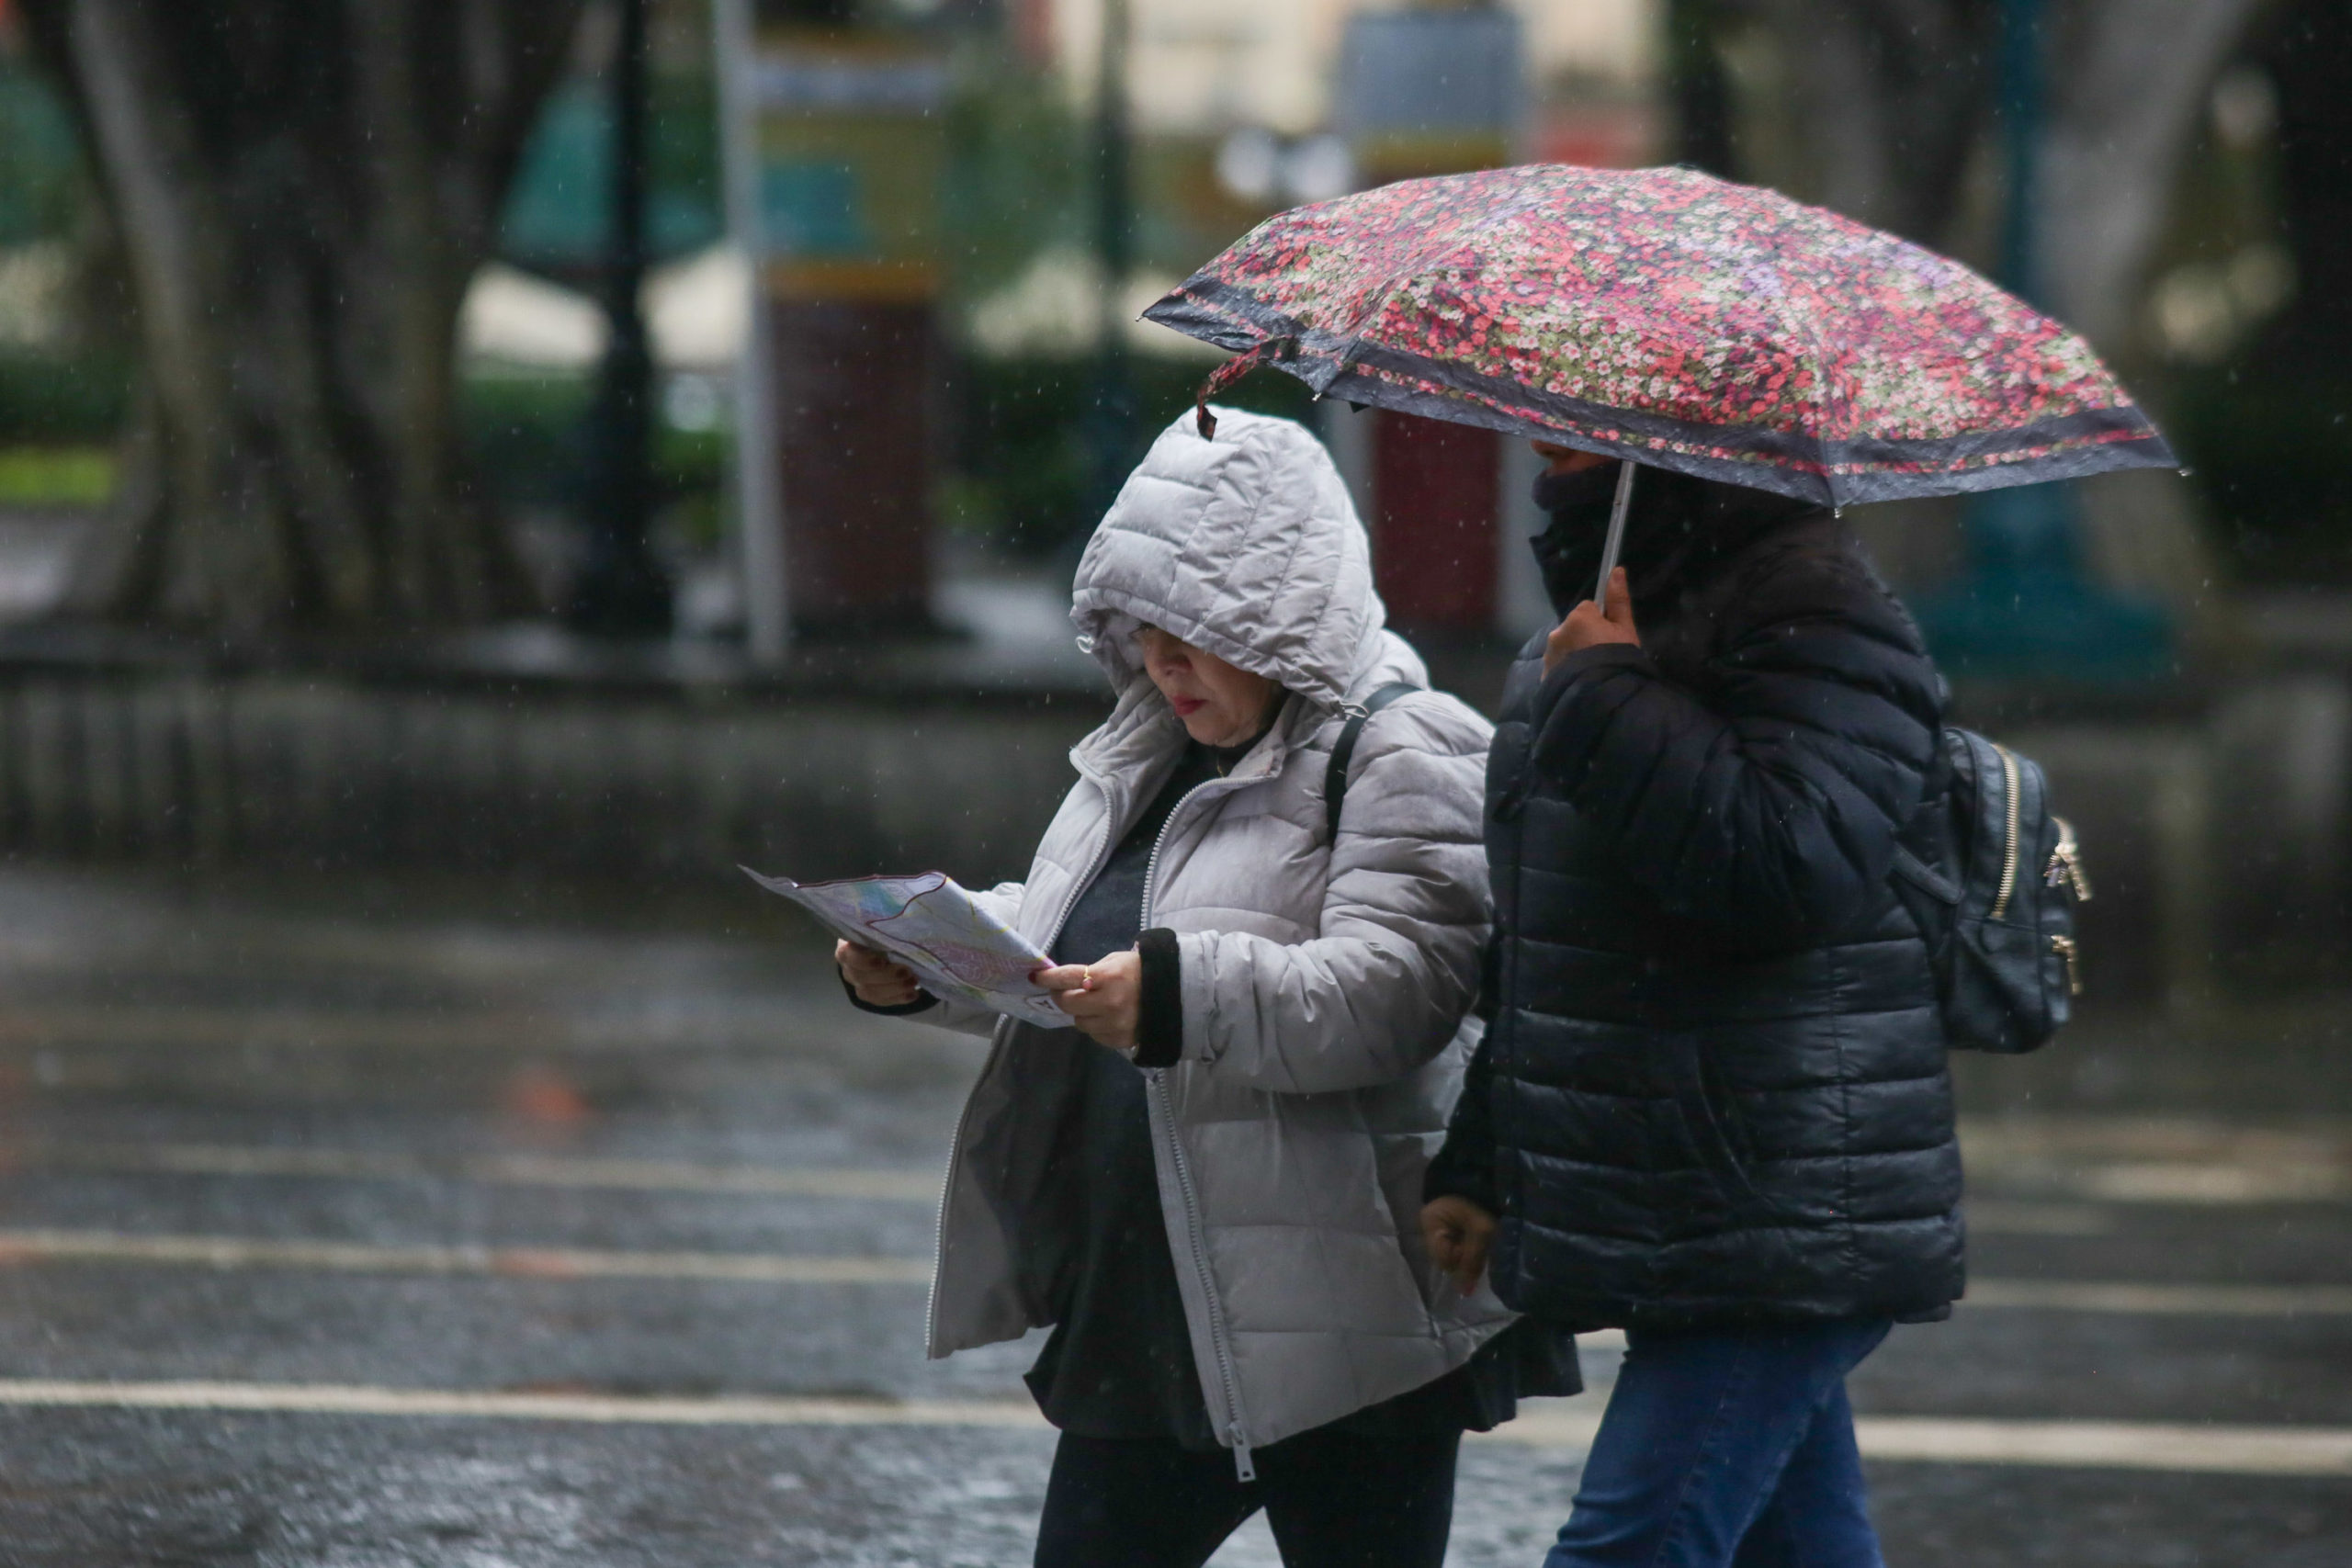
pixel 1715 1089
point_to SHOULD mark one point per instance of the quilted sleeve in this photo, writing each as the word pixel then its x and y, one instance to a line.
pixel 1463 1166
pixel 1774 803
pixel 1382 988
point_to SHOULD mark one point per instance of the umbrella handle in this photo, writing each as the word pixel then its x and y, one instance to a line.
pixel 1623 505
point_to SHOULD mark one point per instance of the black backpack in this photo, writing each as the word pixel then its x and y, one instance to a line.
pixel 1343 750
pixel 1992 878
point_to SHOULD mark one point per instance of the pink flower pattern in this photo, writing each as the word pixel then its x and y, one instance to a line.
pixel 1675 318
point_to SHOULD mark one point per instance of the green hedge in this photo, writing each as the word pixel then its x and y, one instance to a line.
pixel 1024 470
pixel 2273 454
pixel 39 159
pixel 60 400
pixel 525 434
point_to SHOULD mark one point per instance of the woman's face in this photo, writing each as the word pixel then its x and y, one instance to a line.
pixel 1567 459
pixel 1220 705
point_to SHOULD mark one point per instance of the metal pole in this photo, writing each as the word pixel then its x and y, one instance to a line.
pixel 621 590
pixel 1617 511
pixel 1702 132
pixel 2021 103
pixel 1113 411
pixel 761 556
pixel 2026 608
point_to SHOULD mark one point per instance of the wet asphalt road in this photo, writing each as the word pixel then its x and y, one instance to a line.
pixel 279 1158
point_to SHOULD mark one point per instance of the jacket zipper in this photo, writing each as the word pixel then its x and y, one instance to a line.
pixel 996 1044
pixel 2009 849
pixel 1244 1467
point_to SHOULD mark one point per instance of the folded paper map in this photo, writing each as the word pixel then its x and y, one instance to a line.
pixel 958 948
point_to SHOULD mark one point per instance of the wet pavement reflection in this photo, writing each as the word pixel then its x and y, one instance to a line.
pixel 471 1224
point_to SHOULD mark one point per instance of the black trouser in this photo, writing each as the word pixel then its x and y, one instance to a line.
pixel 1335 1500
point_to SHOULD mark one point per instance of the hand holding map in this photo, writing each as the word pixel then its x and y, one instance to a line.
pixel 933 926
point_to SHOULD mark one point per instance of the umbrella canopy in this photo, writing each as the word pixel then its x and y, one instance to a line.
pixel 1671 318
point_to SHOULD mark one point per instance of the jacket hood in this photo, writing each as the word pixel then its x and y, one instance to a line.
pixel 1246 547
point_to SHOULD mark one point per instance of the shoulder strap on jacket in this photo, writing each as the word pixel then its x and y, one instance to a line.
pixel 1343 751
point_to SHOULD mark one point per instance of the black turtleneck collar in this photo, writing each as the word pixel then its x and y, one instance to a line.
pixel 1227 758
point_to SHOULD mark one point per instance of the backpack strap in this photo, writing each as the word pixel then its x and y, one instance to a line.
pixel 1343 750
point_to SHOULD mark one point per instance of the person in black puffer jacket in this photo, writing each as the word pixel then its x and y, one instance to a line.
pixel 1712 1106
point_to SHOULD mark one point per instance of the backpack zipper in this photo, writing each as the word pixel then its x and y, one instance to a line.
pixel 2063 946
pixel 1244 1468
pixel 2066 863
pixel 2009 847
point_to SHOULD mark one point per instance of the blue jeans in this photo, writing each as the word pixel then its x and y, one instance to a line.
pixel 1730 1448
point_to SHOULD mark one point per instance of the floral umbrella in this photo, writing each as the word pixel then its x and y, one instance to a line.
pixel 1674 319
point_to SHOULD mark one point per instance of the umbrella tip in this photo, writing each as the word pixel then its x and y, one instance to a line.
pixel 1205 420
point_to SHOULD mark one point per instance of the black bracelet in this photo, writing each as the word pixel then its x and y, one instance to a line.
pixel 923 1001
pixel 1159 1000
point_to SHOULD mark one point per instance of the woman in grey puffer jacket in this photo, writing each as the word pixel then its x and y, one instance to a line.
pixel 1210 1186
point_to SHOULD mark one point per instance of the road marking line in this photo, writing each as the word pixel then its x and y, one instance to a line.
pixel 2111 1445
pixel 332 1399
pixel 2179 1161
pixel 2191 1183
pixel 527 1262
pixel 2161 1299
pixel 2096 1445
pixel 521 1170
pixel 2244 1451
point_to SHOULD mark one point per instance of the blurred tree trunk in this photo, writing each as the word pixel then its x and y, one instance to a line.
pixel 1894 107
pixel 1889 99
pixel 2127 86
pixel 1892 100
pixel 302 190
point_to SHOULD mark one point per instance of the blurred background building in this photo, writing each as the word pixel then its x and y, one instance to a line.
pixel 946 161
pixel 788 351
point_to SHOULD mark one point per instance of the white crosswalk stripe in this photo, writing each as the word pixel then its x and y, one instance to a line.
pixel 2134 1297
pixel 2154 1445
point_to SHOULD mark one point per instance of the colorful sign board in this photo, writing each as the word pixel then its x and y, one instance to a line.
pixel 852 150
pixel 836 150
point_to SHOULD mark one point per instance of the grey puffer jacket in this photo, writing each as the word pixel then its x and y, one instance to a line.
pixel 1325 984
